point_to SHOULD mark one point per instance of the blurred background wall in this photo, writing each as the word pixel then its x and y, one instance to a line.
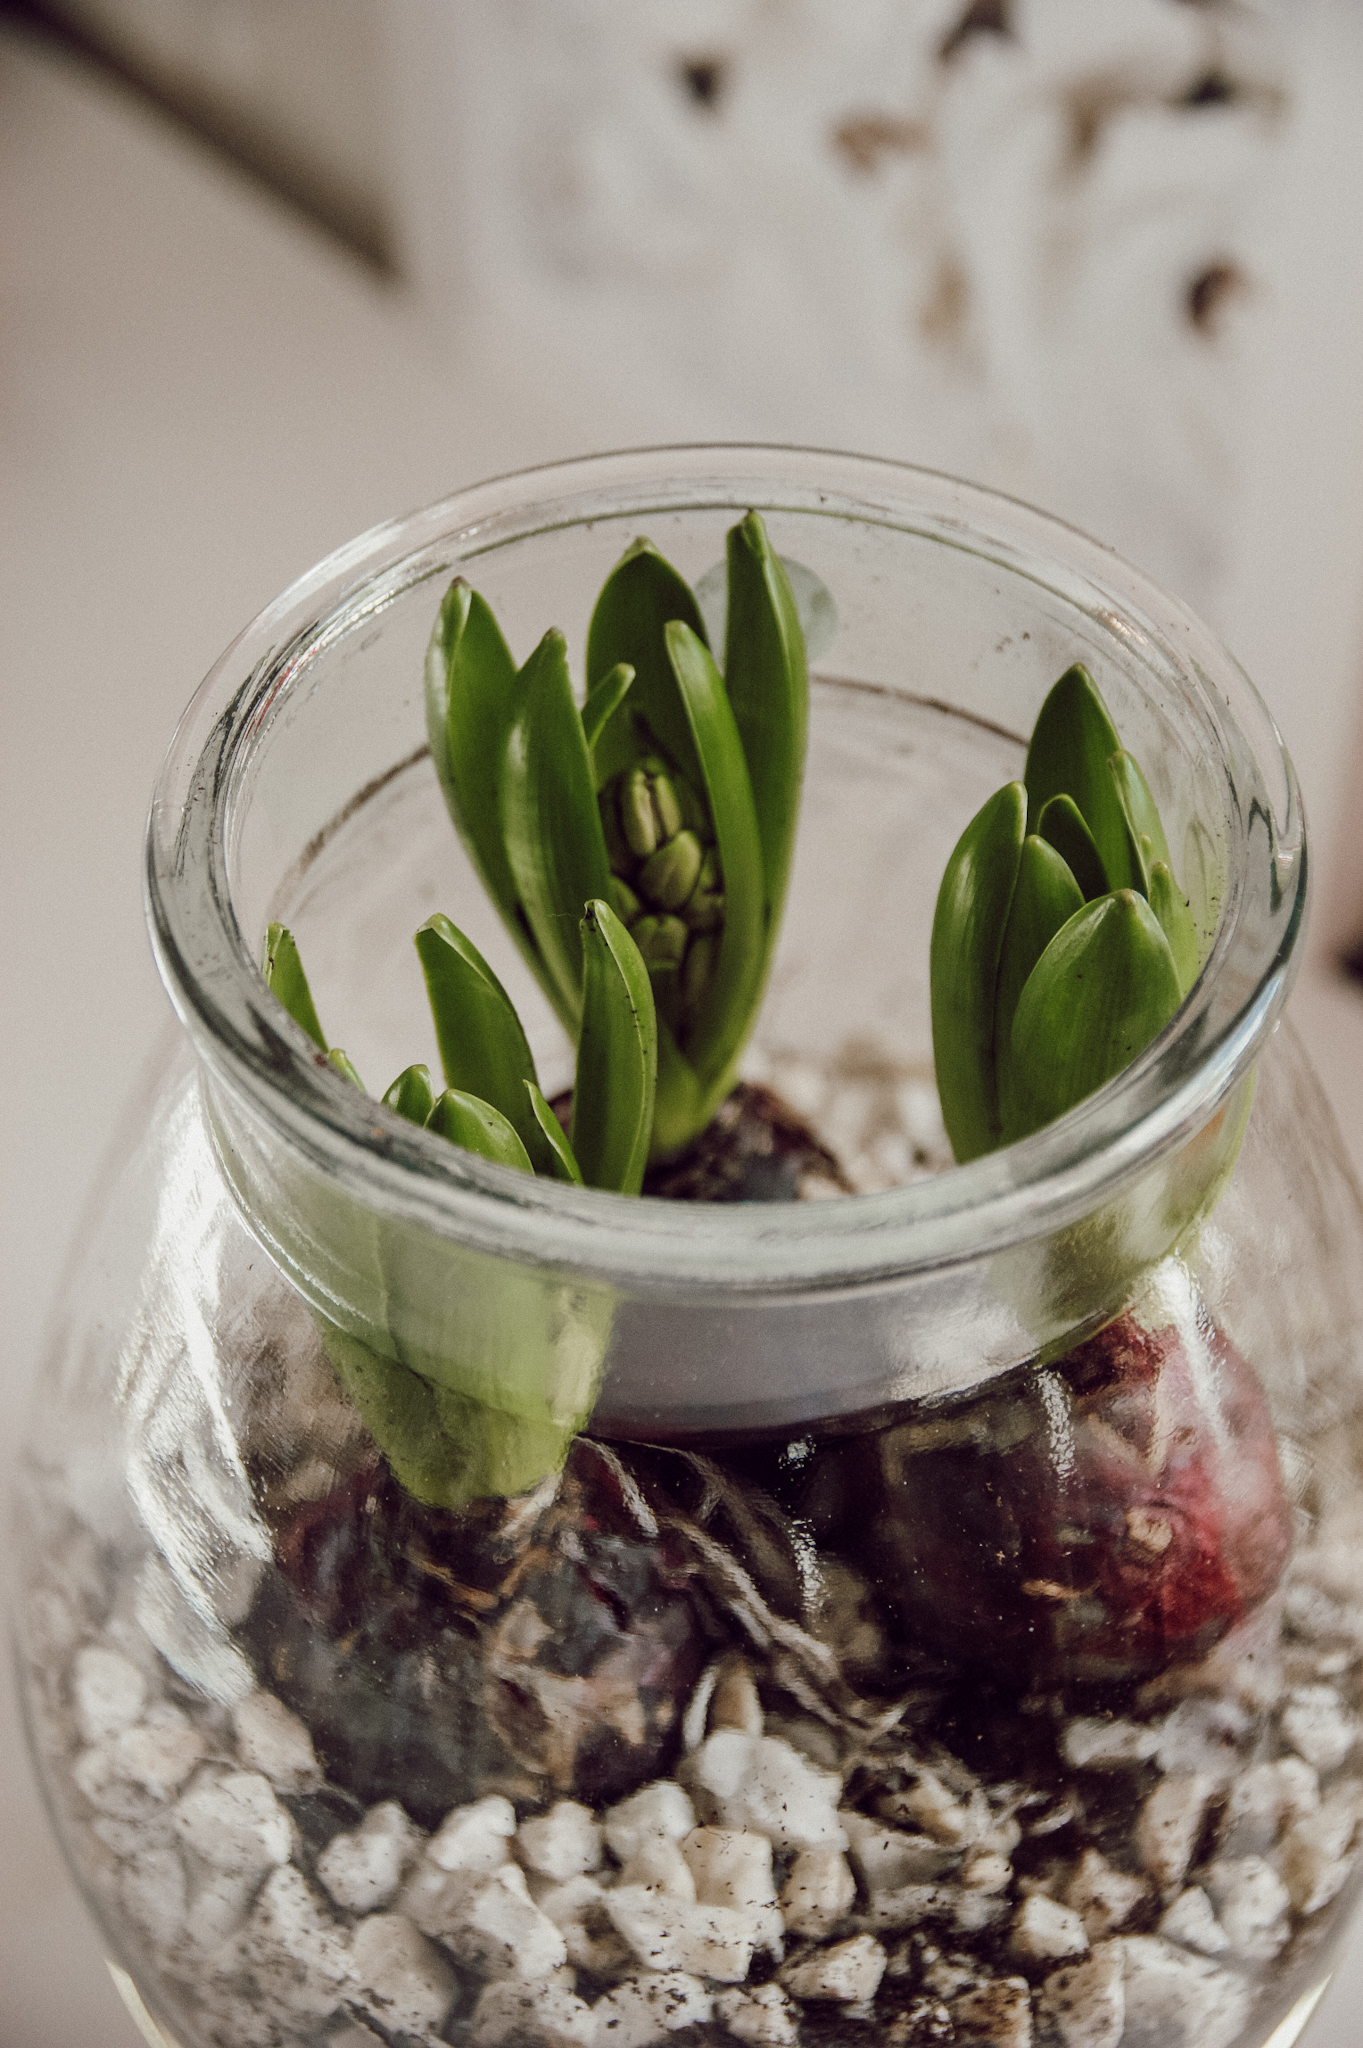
pixel 1104 254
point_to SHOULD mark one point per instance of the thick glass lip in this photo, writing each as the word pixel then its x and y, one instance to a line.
pixel 1017 1195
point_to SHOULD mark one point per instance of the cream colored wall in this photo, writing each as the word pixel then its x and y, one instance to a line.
pixel 295 87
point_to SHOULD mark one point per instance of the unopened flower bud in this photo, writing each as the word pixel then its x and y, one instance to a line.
pixel 661 940
pixel 669 875
pixel 638 820
pixel 666 808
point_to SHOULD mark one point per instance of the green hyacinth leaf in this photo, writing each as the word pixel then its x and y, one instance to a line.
pixel 563 1164
pixel 1045 897
pixel 283 971
pixel 1170 906
pixel 617 1057
pixel 468 1121
pixel 682 1105
pixel 1142 812
pixel 1072 742
pixel 726 1015
pixel 341 1061
pixel 605 699
pixel 1061 826
pixel 968 930
pixel 411 1095
pixel 551 822
pixel 1103 988
pixel 767 678
pixel 483 1047
pixel 638 599
pixel 472 695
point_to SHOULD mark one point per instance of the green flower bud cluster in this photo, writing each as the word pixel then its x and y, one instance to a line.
pixel 1062 943
pixel 672 791
pixel 666 883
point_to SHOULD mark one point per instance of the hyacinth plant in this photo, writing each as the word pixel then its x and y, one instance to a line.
pixel 1062 943
pixel 638 848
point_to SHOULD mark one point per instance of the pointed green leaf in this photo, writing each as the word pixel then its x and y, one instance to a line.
pixel 466 1120
pixel 412 1095
pixel 283 971
pixel 727 1013
pixel 551 823
pixel 967 942
pixel 1141 809
pixel 563 1164
pixel 1176 919
pixel 1072 741
pixel 471 703
pixel 682 1105
pixel 341 1061
pixel 639 597
pixel 606 698
pixel 617 1057
pixel 767 678
pixel 1103 988
pixel 483 1048
pixel 1046 896
pixel 1061 826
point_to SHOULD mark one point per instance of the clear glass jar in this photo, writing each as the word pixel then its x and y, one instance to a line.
pixel 947 1615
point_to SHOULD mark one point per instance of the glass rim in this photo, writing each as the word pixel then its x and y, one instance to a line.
pixel 1062 1173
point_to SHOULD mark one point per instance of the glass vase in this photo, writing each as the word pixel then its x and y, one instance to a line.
pixel 929 1613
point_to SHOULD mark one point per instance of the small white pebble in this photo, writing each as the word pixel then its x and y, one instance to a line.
pixel 1265 1799
pixel 761 1784
pixel 648 2008
pixel 730 1867
pixel 847 1972
pixel 1316 1855
pixel 1169 1826
pixel 235 1822
pixel 108 1693
pixel 1103 1897
pixel 658 1809
pixel 565 1842
pixel 298 1955
pixel 275 1742
pixel 1180 2000
pixel 408 1980
pixel 659 1864
pixel 1097 1744
pixel 503 1933
pixel 887 1858
pixel 1317 1724
pixel 670 1934
pixel 1203 1736
pixel 219 1907
pixel 819 1892
pixel 1191 1921
pixel 363 1869
pixel 1251 1903
pixel 765 2017
pixel 548 2013
pixel 987 1872
pixel 158 1757
pixel 1084 2004
pixel 1045 1931
pixel 995 2015
pixel 475 1837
